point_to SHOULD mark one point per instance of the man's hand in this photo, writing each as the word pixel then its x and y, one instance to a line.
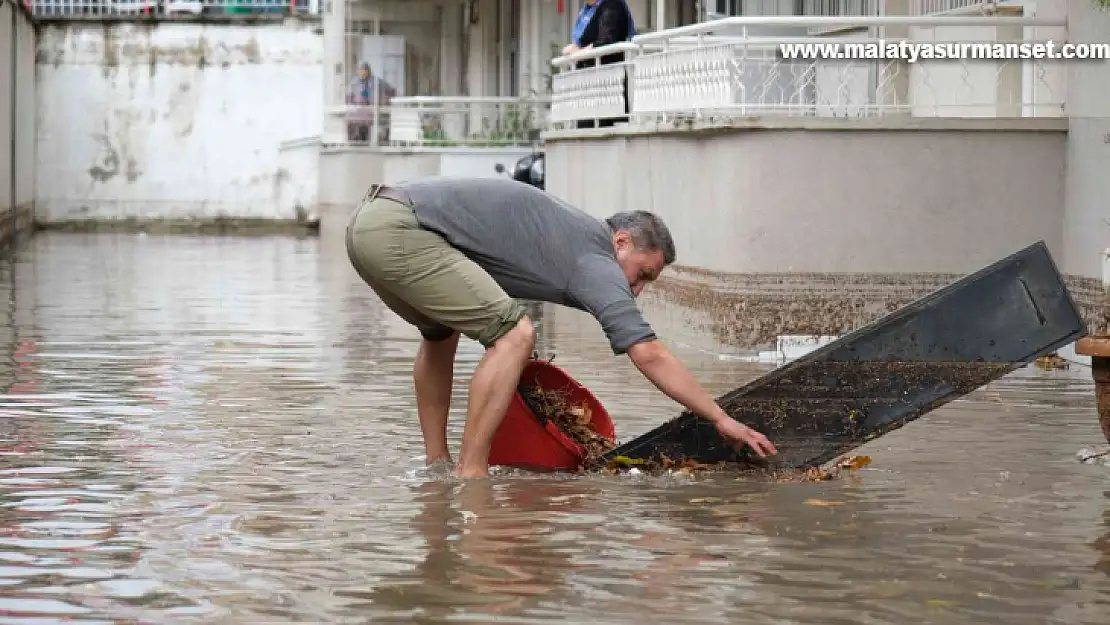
pixel 656 362
pixel 736 432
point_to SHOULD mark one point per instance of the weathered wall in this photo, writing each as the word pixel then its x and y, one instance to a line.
pixel 836 200
pixel 173 122
pixel 347 172
pixel 17 120
pixel 299 164
pixel 814 228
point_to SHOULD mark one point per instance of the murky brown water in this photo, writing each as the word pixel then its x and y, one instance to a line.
pixel 223 430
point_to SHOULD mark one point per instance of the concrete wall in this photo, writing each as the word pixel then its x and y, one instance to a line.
pixel 17 120
pixel 931 198
pixel 819 227
pixel 299 176
pixel 347 172
pixel 173 121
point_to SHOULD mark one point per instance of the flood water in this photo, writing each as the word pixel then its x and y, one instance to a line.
pixel 222 430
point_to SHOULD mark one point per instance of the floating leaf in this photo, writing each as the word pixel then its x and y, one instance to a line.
pixel 821 503
pixel 853 463
pixel 625 462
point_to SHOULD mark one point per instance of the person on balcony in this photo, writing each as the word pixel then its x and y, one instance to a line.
pixel 362 92
pixel 453 256
pixel 601 23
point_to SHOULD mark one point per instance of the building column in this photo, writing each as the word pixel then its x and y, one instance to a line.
pixel 1086 215
pixel 334 22
pixel 1087 106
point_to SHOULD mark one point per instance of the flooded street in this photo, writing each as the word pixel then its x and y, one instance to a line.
pixel 222 430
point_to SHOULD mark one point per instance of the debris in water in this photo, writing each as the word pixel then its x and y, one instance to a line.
pixel 1088 456
pixel 573 421
pixel 818 474
pixel 623 464
pixel 821 503
pixel 1051 362
pixel 853 463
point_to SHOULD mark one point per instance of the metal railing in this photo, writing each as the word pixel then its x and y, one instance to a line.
pixel 952 7
pixel 446 121
pixel 812 8
pixel 92 9
pixel 692 73
pixel 586 89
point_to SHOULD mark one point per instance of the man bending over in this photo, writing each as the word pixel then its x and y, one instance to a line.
pixel 451 256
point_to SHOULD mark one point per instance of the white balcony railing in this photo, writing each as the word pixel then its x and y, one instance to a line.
pixel 730 68
pixel 446 121
pixel 951 7
pixel 466 121
pixel 587 89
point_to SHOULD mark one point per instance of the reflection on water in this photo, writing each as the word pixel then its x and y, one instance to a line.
pixel 223 430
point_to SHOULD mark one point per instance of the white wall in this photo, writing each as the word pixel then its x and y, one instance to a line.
pixel 400 164
pixel 172 120
pixel 299 176
pixel 479 163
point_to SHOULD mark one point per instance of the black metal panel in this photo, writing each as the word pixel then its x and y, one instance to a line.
pixel 892 371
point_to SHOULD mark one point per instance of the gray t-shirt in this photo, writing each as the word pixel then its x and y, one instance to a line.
pixel 536 246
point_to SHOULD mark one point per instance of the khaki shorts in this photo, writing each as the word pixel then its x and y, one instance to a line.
pixel 425 280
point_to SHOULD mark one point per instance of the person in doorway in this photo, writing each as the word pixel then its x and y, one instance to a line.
pixel 362 92
pixel 452 256
pixel 602 23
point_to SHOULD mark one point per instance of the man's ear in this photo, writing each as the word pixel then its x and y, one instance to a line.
pixel 621 239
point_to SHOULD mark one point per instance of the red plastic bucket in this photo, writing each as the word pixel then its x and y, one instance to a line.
pixel 523 442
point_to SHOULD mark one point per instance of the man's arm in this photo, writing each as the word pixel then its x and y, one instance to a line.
pixel 670 376
pixel 601 288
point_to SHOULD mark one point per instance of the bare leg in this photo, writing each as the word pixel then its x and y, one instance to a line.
pixel 432 375
pixel 491 390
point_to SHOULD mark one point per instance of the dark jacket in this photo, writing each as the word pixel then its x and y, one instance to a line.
pixel 609 25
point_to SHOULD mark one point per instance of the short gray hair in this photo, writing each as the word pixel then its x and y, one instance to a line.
pixel 648 232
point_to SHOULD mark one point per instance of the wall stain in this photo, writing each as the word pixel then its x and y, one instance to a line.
pixel 131 170
pixel 110 53
pixel 115 155
pixel 279 179
pixel 252 51
pixel 181 114
pixel 107 163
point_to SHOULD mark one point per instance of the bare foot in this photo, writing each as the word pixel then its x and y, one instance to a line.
pixel 472 472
